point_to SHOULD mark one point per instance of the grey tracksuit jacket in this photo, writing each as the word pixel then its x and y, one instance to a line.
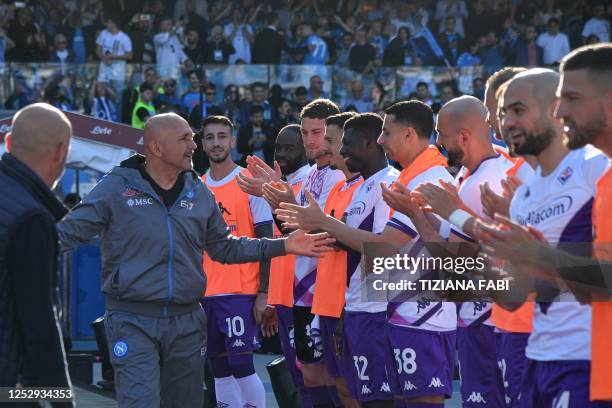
pixel 151 255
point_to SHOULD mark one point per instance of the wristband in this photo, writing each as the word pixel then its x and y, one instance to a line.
pixel 458 218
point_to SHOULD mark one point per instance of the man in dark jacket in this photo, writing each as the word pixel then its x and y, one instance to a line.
pixel 31 350
pixel 268 43
pixel 156 218
pixel 527 53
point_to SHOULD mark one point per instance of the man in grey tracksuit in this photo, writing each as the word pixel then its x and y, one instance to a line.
pixel 156 217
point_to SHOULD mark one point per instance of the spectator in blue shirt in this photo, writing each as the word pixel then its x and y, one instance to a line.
pixel 169 96
pixel 318 52
pixel 192 97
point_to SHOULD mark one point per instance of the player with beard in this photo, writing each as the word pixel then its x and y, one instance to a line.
pixel 584 109
pixel 556 202
pixel 330 284
pixel 464 133
pixel 523 167
pixel 236 295
pixel 363 336
pixel 319 181
pixel 527 122
pixel 290 158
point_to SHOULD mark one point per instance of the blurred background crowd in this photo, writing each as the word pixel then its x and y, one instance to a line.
pixel 259 62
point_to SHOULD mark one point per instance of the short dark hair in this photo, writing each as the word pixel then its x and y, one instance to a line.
pixel 300 91
pixel 554 20
pixel 145 86
pixel 425 84
pixel 197 72
pixel 503 75
pixel 415 114
pixel 256 109
pixel 339 119
pixel 257 85
pixel 595 57
pixel 218 119
pixel 319 109
pixel 366 125
pixel 210 85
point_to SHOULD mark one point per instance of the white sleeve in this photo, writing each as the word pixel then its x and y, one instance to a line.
pixel 160 39
pixel 540 41
pixel 381 214
pixel 402 222
pixel 261 211
pixel 100 39
pixel 594 166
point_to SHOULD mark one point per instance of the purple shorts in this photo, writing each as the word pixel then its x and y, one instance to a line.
pixel 285 333
pixel 231 325
pixel 555 384
pixel 481 380
pixel 363 356
pixel 330 357
pixel 421 362
pixel 512 363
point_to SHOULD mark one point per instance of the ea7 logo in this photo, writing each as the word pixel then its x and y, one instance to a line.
pixel 435 383
pixel 385 387
pixel 188 205
pixel 365 390
pixel 476 397
pixel 139 201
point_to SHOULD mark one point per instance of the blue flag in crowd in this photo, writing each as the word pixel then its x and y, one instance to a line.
pixel 426 46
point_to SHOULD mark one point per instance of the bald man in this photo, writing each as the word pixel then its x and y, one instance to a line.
pixel 528 126
pixel 156 218
pixel 558 350
pixel 31 350
pixel 463 132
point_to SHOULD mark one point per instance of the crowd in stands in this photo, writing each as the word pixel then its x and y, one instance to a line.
pixel 174 38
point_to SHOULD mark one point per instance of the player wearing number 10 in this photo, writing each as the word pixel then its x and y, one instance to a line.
pixel 236 295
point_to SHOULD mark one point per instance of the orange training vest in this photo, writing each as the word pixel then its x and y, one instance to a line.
pixel 330 283
pixel 601 345
pixel 238 278
pixel 282 272
pixel 429 158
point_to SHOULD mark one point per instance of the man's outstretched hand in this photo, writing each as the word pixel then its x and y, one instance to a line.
pixel 301 243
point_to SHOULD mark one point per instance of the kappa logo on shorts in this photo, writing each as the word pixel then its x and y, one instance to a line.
pixel 120 349
pixel 221 404
pixel 385 387
pixel 435 383
pixel 239 343
pixel 317 354
pixel 408 386
pixel 476 397
pixel 365 390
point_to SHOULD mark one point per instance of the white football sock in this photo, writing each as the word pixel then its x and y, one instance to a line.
pixel 228 393
pixel 252 390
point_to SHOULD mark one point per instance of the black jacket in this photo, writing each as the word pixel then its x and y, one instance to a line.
pixel 30 340
pixel 246 133
pixel 267 47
